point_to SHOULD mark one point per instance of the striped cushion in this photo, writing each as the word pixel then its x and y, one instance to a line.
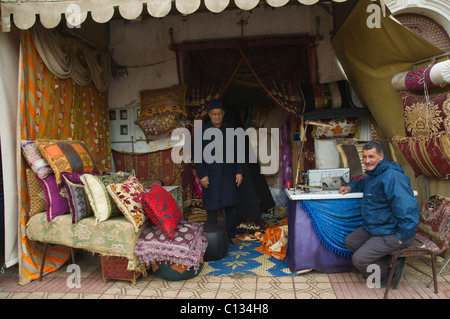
pixel 67 156
pixel 427 155
pixel 34 158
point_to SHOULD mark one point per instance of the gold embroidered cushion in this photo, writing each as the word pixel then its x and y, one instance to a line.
pixel 67 156
pixel 126 195
pixel 159 101
pixel 423 117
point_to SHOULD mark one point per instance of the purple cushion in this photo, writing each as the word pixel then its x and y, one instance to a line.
pixel 56 203
pixel 79 205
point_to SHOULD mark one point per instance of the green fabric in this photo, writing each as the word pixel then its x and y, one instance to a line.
pixel 370 59
pixel 113 237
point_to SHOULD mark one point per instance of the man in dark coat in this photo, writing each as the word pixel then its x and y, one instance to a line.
pixel 390 214
pixel 220 179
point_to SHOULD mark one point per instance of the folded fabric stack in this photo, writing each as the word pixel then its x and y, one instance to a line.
pixel 186 248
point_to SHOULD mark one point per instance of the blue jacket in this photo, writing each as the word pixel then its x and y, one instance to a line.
pixel 388 204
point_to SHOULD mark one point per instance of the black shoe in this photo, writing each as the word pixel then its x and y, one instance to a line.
pixel 398 274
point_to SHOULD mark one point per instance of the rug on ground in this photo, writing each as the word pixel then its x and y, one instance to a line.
pixel 245 259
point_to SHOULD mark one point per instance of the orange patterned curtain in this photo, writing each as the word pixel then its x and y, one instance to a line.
pixel 54 108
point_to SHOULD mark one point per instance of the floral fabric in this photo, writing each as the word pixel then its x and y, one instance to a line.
pixel 54 108
pixel 126 195
pixel 274 242
pixel 114 237
pixel 344 127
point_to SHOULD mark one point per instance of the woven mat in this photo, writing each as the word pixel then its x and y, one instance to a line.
pixel 245 260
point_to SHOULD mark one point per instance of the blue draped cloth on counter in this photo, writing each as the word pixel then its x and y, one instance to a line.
pixel 333 220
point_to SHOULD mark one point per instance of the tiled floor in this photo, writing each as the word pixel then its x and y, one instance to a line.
pixel 310 285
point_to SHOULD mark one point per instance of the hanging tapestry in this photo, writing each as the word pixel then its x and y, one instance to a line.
pixel 424 117
pixel 54 108
pixel 427 155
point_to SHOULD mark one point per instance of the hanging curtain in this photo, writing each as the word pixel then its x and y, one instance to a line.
pixel 66 58
pixel 54 108
pixel 280 65
pixel 207 69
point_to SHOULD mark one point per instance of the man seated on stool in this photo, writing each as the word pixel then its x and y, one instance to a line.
pixel 390 214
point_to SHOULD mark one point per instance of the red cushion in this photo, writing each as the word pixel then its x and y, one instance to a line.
pixel 162 209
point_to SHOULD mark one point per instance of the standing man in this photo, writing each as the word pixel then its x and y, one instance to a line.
pixel 390 214
pixel 220 180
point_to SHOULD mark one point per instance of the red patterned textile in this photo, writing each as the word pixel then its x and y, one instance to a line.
pixel 150 166
pixel 427 155
pixel 416 80
pixel 162 209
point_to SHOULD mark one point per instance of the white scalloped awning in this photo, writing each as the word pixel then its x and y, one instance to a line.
pixel 24 13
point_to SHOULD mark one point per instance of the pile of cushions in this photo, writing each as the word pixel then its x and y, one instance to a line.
pixel 162 111
pixel 186 248
pixel 64 179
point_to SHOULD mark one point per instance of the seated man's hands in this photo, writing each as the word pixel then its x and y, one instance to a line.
pixel 344 190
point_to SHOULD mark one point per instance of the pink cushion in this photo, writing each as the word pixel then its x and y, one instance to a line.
pixel 162 209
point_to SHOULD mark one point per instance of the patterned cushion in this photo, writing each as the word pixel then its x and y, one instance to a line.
pixel 351 155
pixel 159 125
pixel 162 209
pixel 36 193
pixel 67 156
pixel 423 119
pixel 55 196
pixel 101 202
pixel 435 219
pixel 159 101
pixel 79 205
pixel 427 155
pixel 344 127
pixel 186 248
pixel 34 158
pixel 126 195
